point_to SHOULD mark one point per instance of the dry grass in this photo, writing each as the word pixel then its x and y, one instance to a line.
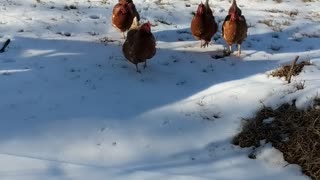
pixel 300 85
pixel 70 7
pixel 163 21
pixel 278 1
pixel 275 26
pixel 294 132
pixel 161 3
pixel 289 13
pixel 286 23
pixel 308 1
pixel 284 70
pixel 107 40
pixel 312 35
pixel 268 22
pixel 292 13
pixel 276 11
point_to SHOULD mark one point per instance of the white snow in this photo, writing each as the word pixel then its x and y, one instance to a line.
pixel 72 107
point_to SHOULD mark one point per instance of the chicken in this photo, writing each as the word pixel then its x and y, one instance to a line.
pixel 123 14
pixel 234 28
pixel 140 44
pixel 132 8
pixel 203 24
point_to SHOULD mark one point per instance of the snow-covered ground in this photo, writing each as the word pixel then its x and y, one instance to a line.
pixel 72 107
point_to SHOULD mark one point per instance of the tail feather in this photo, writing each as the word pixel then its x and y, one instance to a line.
pixel 206 4
pixel 234 2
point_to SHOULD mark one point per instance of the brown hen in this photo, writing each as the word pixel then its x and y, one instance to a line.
pixel 203 24
pixel 132 8
pixel 234 28
pixel 122 15
pixel 140 44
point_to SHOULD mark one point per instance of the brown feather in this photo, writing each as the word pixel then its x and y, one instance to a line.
pixel 234 32
pixel 140 45
pixel 123 14
pixel 203 24
pixel 234 28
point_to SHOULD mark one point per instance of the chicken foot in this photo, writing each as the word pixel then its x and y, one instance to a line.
pixel 239 50
pixel 138 71
pixel 228 51
pixel 206 44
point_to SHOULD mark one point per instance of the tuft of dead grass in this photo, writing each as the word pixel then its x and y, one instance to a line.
pixel 284 70
pixel 289 13
pixel 308 1
pixel 300 85
pixel 268 22
pixel 70 7
pixel 107 40
pixel 311 35
pixel 316 103
pixel 278 1
pixel 296 133
pixel 163 21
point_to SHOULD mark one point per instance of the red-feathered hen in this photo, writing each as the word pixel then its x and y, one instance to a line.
pixel 203 24
pixel 234 28
pixel 122 15
pixel 140 44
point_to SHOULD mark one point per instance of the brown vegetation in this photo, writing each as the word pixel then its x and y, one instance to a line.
pixel 284 70
pixel 296 133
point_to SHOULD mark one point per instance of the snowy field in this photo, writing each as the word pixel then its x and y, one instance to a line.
pixel 72 107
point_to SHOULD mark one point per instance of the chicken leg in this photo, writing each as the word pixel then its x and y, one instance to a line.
pixel 239 49
pixel 228 51
pixel 206 44
pixel 138 71
pixel 145 64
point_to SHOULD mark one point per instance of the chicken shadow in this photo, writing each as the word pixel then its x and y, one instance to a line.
pixel 77 80
pixel 72 86
pixel 50 81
